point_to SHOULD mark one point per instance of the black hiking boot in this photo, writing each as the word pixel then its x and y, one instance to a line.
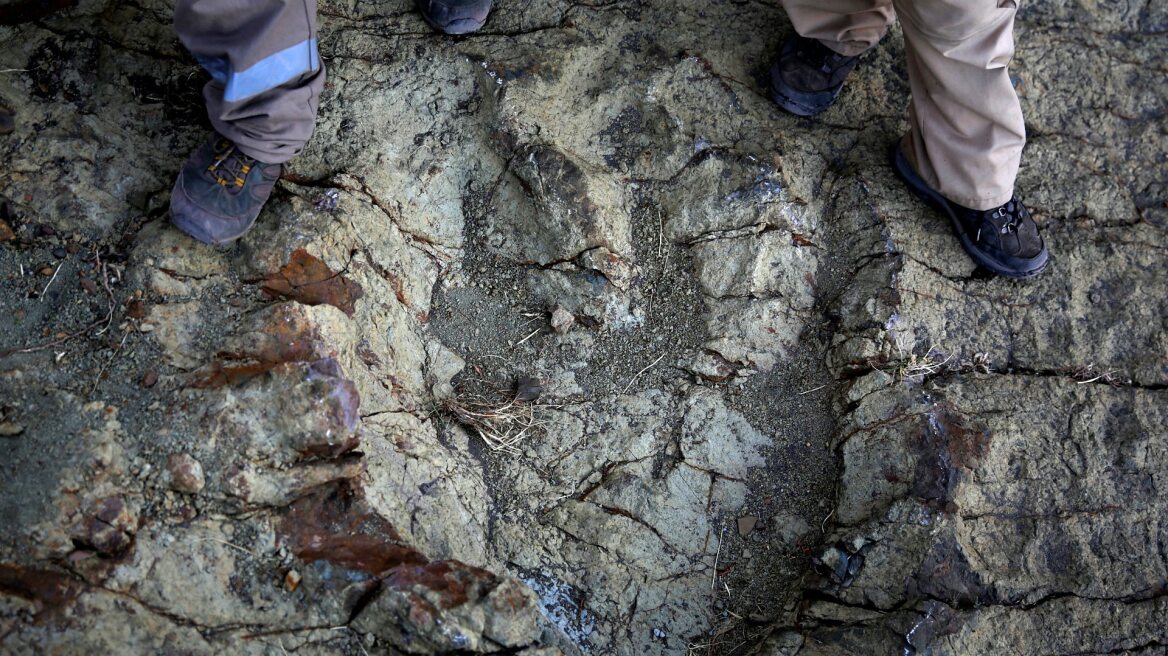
pixel 808 76
pixel 455 16
pixel 220 192
pixel 1003 239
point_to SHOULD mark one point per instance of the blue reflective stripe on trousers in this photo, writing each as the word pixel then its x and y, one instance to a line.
pixel 272 71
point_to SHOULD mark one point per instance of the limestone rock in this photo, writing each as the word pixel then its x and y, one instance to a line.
pixel 448 607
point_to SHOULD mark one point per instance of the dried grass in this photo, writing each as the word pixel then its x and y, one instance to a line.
pixel 502 425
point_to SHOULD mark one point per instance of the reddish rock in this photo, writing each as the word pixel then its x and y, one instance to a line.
pixel 185 473
pixel 136 310
pixel 450 606
pixel 309 280
pixel 108 528
pixel 337 526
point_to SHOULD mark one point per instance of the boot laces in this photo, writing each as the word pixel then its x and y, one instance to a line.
pixel 1006 219
pixel 230 166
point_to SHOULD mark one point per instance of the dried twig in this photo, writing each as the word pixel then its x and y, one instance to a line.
pixel 533 334
pixel 229 544
pixel 714 577
pixel 97 380
pixel 41 298
pixel 107 320
pixel 636 375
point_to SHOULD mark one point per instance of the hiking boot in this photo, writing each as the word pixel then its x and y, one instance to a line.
pixel 220 191
pixel 1002 239
pixel 455 16
pixel 808 76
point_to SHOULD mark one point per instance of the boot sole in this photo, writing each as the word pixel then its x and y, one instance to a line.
pixel 801 103
pixel 1025 269
pixel 465 24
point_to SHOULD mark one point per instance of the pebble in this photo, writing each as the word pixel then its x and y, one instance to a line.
pixel 562 320
pixel 746 524
pixel 291 580
pixel 146 328
pixel 150 378
pixel 10 429
pixel 528 388
pixel 59 253
pixel 186 474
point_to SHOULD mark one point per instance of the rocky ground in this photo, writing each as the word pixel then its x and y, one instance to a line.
pixel 561 338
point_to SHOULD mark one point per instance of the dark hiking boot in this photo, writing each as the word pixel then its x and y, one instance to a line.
pixel 1003 239
pixel 220 191
pixel 455 16
pixel 808 76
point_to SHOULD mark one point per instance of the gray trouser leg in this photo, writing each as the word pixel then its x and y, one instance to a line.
pixel 267 74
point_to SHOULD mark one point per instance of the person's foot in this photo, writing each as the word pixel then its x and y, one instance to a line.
pixel 455 16
pixel 220 192
pixel 1003 239
pixel 808 76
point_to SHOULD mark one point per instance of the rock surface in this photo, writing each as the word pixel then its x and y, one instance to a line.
pixel 562 339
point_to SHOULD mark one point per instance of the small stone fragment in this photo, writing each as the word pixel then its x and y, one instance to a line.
pixel 150 378
pixel 562 320
pixel 108 528
pixel 746 524
pixel 6 232
pixel 328 201
pixel 136 310
pixel 89 286
pixel 528 388
pixel 59 253
pixel 10 429
pixel 185 473
pixel 45 271
pixel 291 580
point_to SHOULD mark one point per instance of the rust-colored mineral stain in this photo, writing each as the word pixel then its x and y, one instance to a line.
pixel 53 589
pixel 309 280
pixel 336 525
pixel 222 375
pixel 945 446
pixel 455 582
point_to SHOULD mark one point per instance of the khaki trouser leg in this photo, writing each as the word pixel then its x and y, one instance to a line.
pixel 967 126
pixel 267 74
pixel 848 27
pixel 967 130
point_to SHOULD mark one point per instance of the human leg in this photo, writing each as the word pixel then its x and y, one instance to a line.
pixel 829 36
pixel 966 128
pixel 262 100
pixel 849 27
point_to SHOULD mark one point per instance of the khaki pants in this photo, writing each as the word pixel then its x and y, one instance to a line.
pixel 265 69
pixel 967 130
